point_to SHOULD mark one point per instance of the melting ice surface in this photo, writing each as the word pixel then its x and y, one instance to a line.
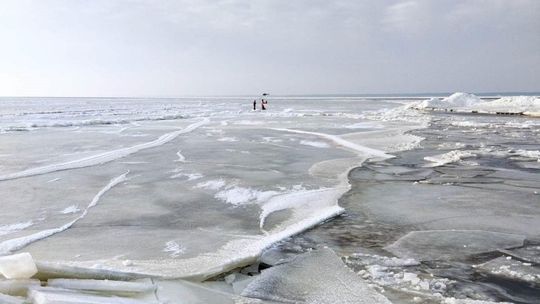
pixel 194 188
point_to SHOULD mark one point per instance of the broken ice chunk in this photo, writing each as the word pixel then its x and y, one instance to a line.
pixel 529 254
pixel 451 244
pixel 119 287
pixel 17 266
pixel 317 276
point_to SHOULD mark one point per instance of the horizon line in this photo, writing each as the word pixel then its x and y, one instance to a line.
pixel 359 95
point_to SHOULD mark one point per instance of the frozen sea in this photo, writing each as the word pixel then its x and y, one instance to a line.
pixel 421 207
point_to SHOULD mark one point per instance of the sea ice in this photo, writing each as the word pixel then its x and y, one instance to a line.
pixel 48 295
pixel 17 266
pixel 448 157
pixel 512 269
pixel 109 286
pixel 70 209
pixel 451 244
pixel 464 102
pixel 7 229
pixel 529 254
pixel 17 287
pixel 316 144
pixel 5 299
pixel 103 157
pixel 314 277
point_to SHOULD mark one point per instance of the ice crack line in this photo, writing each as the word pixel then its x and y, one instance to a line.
pixel 342 142
pixel 103 157
pixel 9 246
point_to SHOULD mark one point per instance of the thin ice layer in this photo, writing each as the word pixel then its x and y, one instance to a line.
pixel 450 244
pixel 314 277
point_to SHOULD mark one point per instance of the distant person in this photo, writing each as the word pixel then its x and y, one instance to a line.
pixel 254 104
pixel 263 104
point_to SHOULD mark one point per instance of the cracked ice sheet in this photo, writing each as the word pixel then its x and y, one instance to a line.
pixel 318 276
pixel 131 227
pixel 441 207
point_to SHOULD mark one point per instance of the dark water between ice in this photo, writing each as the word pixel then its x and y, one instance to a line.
pixel 497 191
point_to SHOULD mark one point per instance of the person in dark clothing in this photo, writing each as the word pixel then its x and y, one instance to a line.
pixel 254 104
pixel 263 103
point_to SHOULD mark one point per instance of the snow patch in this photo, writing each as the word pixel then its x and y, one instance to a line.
pixel 211 184
pixel 448 157
pixel 174 249
pixel 7 229
pixel 71 209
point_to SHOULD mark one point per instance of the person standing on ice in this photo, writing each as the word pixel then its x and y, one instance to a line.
pixel 254 104
pixel 263 103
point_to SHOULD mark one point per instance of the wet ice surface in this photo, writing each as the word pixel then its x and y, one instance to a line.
pixel 194 188
pixel 461 218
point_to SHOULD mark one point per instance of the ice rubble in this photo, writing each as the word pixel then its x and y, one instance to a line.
pixel 512 269
pixel 17 266
pixel 318 276
pixel 464 102
pixel 448 157
pixel 450 244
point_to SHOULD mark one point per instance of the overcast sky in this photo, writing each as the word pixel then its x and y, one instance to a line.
pixel 229 47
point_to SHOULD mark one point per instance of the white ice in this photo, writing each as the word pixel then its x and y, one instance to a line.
pixel 18 266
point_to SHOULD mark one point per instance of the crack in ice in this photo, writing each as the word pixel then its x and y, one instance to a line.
pixel 103 157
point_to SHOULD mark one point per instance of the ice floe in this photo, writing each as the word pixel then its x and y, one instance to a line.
pixel 512 269
pixel 451 244
pixel 318 276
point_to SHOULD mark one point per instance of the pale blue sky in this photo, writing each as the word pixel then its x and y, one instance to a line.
pixel 229 47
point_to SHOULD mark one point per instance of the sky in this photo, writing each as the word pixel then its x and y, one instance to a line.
pixel 234 47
